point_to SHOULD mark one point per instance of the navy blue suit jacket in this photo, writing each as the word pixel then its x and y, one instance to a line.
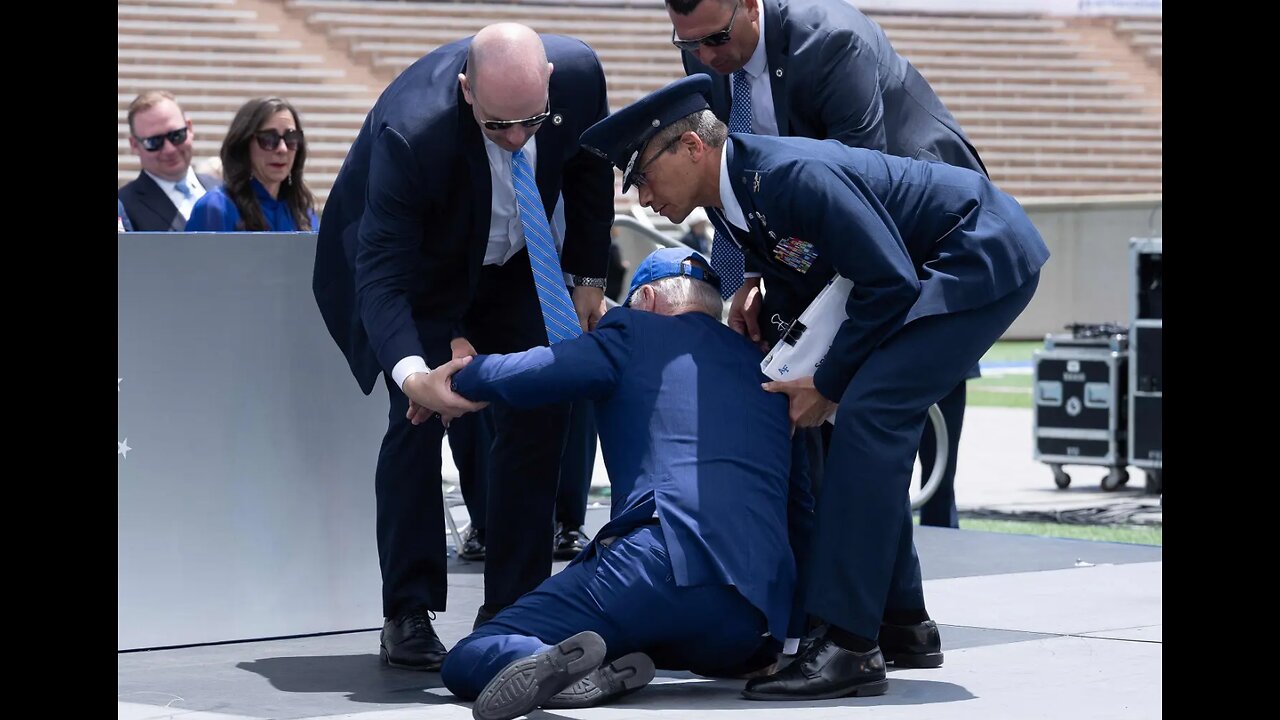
pixel 148 209
pixel 687 433
pixel 834 75
pixel 916 238
pixel 405 227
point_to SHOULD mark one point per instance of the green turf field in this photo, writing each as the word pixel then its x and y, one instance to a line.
pixel 1134 534
pixel 996 389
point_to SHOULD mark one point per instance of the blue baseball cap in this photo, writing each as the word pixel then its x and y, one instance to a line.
pixel 621 137
pixel 671 262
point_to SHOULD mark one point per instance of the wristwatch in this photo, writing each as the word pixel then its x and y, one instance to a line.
pixel 584 281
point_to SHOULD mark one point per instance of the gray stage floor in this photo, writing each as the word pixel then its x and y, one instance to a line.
pixel 1032 628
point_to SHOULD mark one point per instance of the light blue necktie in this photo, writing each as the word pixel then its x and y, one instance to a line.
pixel 181 186
pixel 558 315
pixel 726 258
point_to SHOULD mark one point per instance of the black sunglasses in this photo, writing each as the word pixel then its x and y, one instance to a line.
pixel 637 178
pixel 715 39
pixel 528 122
pixel 155 142
pixel 269 140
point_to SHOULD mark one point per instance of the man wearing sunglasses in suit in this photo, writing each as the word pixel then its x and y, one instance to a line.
pixel 162 196
pixel 821 69
pixel 437 229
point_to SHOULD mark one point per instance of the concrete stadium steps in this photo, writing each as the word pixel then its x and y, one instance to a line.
pixel 184 3
pixel 1141 152
pixel 196 28
pixel 1146 35
pixel 191 13
pixel 229 96
pixel 1070 159
pixel 354 29
pixel 186 58
pixel 1015 121
pixel 1050 113
pixel 138 40
pixel 308 76
pixel 1075 188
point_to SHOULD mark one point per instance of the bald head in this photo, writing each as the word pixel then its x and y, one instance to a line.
pixel 506 78
pixel 507 52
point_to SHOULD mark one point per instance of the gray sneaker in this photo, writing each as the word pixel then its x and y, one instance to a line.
pixel 621 677
pixel 530 681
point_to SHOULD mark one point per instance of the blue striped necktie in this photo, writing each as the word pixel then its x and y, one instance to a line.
pixel 726 258
pixel 558 315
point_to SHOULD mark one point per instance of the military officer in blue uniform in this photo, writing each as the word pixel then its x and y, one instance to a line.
pixel 942 262
pixel 844 81
pixel 693 569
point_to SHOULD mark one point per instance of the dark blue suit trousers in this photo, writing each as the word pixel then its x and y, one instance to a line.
pixel 624 591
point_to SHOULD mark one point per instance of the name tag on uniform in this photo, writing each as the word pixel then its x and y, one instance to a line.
pixel 796 254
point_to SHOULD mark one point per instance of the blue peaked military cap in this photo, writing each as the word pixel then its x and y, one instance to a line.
pixel 621 137
pixel 670 262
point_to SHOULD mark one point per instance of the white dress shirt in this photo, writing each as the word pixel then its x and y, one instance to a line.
pixel 728 201
pixel 506 232
pixel 183 203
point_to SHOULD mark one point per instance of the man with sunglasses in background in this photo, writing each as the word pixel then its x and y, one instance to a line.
pixel 435 245
pixel 162 196
pixel 821 69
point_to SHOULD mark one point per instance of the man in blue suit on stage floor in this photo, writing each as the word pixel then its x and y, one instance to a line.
pixel 437 231
pixel 694 568
pixel 941 261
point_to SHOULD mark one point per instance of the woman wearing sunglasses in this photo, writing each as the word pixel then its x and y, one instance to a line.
pixel 262 160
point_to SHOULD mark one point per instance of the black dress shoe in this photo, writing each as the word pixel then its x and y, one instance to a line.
pixel 472 546
pixel 606 683
pixel 912 646
pixel 410 642
pixel 825 671
pixel 568 542
pixel 483 615
pixel 532 680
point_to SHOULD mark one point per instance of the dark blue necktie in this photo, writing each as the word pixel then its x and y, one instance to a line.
pixel 726 258
pixel 558 314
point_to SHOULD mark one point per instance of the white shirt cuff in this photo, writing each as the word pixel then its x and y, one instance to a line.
pixel 406 367
pixel 752 275
pixel 791 646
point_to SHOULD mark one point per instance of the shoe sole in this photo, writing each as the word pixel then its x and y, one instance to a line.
pixel 926 660
pixel 609 682
pixel 428 667
pixel 867 689
pixel 528 682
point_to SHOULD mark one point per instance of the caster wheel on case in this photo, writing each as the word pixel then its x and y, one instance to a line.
pixel 1115 479
pixel 1060 477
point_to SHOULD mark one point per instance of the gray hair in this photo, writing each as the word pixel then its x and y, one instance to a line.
pixel 682 293
pixel 704 123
